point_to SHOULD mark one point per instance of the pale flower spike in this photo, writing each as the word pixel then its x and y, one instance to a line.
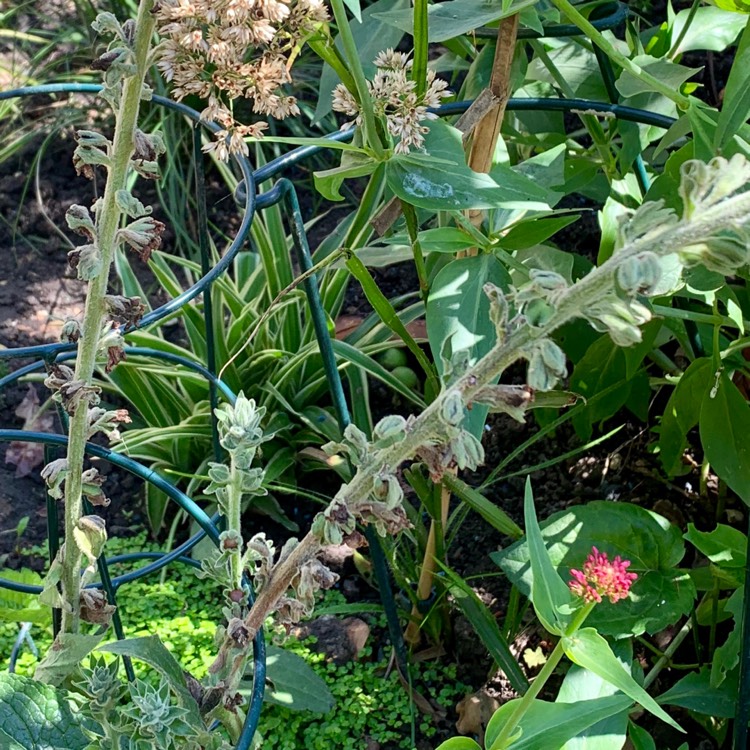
pixel 394 98
pixel 221 50
pixel 600 578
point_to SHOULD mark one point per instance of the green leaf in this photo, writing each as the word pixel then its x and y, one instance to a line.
pixel 640 738
pixel 34 716
pixel 589 650
pixel 682 413
pixel 727 656
pixel 459 743
pixel 735 108
pixel 18 607
pixel 724 427
pixel 695 692
pixel 440 179
pixel 458 316
pixel 724 546
pixel 549 593
pixel 712 29
pixel 329 181
pixel 353 6
pixel 495 517
pixel 64 656
pixel 455 17
pixel 672 74
pixel 550 725
pixel 662 592
pixel 582 685
pixel 486 627
pixel 152 651
pixel 534 231
pixel 292 683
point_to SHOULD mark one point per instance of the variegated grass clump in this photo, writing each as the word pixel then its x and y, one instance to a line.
pixel 224 50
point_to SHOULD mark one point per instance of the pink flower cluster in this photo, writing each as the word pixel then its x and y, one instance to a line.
pixel 600 578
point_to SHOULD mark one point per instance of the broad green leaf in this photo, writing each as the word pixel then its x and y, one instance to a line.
pixel 18 607
pixel 589 650
pixel 459 743
pixel 712 29
pixel 292 683
pixel 458 317
pixel 455 17
pixel 724 546
pixel 534 231
pixel 695 692
pixel 153 652
pixel 640 738
pixel 735 108
pixel 486 627
pixel 667 72
pixel 727 656
pixel 440 240
pixel 371 36
pixel 550 725
pixel 601 368
pixel 682 413
pixel 582 685
pixel 440 179
pixel 329 181
pixel 34 716
pixel 724 429
pixel 63 658
pixel 662 592
pixel 353 6
pixel 549 593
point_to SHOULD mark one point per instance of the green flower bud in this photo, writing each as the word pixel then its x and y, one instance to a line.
pixel 452 410
pixel 392 427
pixel 639 274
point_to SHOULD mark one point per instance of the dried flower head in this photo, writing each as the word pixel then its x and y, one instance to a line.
pixel 396 100
pixel 221 50
pixel 600 578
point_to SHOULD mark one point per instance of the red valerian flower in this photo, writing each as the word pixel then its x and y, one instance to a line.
pixel 601 577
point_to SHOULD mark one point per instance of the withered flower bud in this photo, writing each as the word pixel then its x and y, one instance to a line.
pixel 126 310
pixel 71 331
pixel 94 607
pixel 58 376
pixel 107 59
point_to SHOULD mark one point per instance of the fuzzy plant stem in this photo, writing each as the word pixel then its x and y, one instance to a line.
pixel 430 428
pixel 234 521
pixel 575 17
pixel 107 226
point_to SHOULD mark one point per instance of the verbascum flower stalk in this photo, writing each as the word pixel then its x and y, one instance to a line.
pixel 125 65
